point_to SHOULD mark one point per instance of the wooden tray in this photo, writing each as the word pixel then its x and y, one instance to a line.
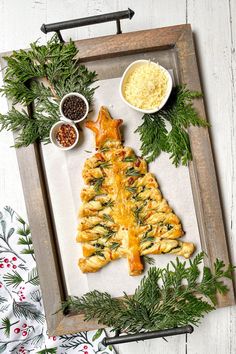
pixel 109 56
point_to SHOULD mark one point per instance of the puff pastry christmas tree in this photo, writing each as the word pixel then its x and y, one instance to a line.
pixel 123 212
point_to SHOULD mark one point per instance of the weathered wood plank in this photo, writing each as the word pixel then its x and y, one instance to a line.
pixel 211 25
pixel 202 170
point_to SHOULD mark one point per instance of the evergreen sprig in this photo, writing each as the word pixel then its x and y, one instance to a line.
pixel 162 300
pixel 42 76
pixel 27 310
pixel 14 279
pixel 6 325
pixel 33 277
pixel 179 113
pixel 25 238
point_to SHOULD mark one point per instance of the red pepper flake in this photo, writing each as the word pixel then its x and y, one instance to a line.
pixel 66 135
pixel 99 156
pixel 130 180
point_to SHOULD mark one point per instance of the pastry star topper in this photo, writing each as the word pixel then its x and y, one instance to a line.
pixel 105 128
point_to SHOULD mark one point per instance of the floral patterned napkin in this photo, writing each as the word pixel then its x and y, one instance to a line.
pixel 22 323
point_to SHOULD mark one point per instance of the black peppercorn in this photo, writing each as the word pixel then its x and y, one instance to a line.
pixel 74 107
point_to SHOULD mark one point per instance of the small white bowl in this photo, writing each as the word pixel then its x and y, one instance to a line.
pixel 129 70
pixel 54 130
pixel 78 95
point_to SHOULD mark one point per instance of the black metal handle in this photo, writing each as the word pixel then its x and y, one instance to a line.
pixel 86 21
pixel 146 335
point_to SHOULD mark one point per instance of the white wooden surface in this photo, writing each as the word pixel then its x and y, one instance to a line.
pixel 214 25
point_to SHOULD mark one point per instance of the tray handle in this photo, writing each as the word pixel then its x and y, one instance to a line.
pixel 87 21
pixel 117 339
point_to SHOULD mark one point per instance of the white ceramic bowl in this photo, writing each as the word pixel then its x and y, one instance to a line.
pixel 78 95
pixel 129 70
pixel 54 130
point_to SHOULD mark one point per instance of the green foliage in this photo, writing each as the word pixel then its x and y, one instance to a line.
pixel 33 277
pixel 3 347
pixel 36 296
pixel 27 310
pixel 48 351
pixel 13 279
pixel 97 334
pixel 72 341
pixel 25 238
pixel 166 297
pixel 6 325
pixel 179 114
pixel 59 71
pixel 148 260
pixel 2 299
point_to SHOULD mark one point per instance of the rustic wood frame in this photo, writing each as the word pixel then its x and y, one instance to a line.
pixel 202 175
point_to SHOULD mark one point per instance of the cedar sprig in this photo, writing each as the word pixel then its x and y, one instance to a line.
pixel 166 130
pixel 167 297
pixel 41 76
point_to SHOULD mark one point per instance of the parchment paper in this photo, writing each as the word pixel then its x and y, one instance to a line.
pixel 63 171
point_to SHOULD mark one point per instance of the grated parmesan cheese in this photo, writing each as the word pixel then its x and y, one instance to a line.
pixel 146 86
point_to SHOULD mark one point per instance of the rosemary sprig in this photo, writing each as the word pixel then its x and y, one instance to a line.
pixel 97 183
pixel 133 172
pixel 132 190
pixel 109 204
pixel 180 114
pixel 137 211
pixel 161 300
pixel 130 158
pixel 108 217
pixel 104 164
pixel 114 246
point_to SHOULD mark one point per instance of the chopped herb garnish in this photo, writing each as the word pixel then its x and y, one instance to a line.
pixel 132 189
pixel 114 246
pixel 139 219
pixel 104 149
pixel 104 164
pixel 109 203
pixel 132 172
pixel 109 234
pixel 97 183
pixel 89 152
pixel 130 159
pixel 147 239
pixel 108 218
pixel 99 253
